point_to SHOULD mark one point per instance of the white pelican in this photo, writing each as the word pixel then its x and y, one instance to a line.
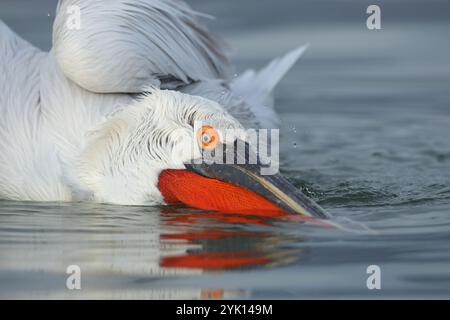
pixel 78 124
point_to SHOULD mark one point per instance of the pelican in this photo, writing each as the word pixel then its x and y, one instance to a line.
pixel 107 114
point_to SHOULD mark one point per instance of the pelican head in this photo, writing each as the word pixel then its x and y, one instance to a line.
pixel 151 153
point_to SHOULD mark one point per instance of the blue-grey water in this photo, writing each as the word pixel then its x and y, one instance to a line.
pixel 366 132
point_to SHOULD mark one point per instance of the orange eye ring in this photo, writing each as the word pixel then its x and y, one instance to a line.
pixel 207 137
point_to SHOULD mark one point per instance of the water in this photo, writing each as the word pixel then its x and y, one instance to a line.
pixel 366 133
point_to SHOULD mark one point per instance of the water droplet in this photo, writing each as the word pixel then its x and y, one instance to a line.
pixel 294 144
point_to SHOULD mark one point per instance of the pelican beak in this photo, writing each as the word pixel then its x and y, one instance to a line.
pixel 273 188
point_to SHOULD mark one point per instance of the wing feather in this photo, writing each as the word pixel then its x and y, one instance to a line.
pixel 124 45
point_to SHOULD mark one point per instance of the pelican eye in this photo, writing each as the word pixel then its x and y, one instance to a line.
pixel 207 137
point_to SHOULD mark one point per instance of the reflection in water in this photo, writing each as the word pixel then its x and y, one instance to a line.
pixel 124 251
pixel 218 245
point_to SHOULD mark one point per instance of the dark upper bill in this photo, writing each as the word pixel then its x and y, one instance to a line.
pixel 274 187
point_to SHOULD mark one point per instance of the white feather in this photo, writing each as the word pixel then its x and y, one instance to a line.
pixel 124 45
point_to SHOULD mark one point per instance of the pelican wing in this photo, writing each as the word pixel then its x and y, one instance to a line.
pixel 122 46
pixel 249 97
